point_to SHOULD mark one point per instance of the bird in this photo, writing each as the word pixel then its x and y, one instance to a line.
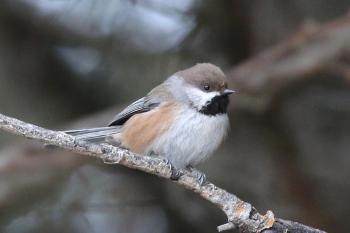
pixel 184 119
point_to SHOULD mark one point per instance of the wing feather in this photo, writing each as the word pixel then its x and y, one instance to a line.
pixel 94 134
pixel 141 105
pixel 144 104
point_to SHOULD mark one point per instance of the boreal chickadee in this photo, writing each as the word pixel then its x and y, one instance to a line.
pixel 184 119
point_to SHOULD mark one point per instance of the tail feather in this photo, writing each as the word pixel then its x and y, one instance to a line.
pixel 94 134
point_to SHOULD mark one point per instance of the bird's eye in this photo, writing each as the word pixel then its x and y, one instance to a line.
pixel 206 87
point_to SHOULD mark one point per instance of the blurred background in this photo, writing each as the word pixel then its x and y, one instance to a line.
pixel 71 64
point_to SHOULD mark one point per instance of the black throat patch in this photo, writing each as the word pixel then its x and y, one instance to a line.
pixel 217 105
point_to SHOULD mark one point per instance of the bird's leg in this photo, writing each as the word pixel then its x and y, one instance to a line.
pixel 175 173
pixel 200 176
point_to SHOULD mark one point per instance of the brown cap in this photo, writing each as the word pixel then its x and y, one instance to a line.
pixel 205 74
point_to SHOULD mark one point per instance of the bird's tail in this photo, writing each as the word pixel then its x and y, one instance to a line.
pixel 94 134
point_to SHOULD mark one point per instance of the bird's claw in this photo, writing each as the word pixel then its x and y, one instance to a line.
pixel 175 173
pixel 200 176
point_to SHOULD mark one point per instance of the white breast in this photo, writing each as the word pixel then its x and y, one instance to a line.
pixel 192 138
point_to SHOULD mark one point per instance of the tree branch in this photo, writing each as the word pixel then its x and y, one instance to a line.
pixel 307 51
pixel 240 214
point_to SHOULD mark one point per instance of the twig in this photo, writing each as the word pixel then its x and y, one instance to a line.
pixel 240 214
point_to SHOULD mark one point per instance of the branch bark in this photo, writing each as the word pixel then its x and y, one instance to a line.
pixel 240 214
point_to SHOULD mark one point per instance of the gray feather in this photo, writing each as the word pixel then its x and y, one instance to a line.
pixel 144 104
pixel 94 134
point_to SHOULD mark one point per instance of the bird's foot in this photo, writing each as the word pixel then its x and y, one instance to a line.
pixel 175 173
pixel 200 176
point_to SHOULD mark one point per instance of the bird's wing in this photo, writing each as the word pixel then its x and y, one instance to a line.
pixel 144 104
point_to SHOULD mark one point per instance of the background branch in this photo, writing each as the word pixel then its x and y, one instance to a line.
pixel 307 51
pixel 240 214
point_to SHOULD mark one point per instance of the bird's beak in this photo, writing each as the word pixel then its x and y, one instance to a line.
pixel 227 92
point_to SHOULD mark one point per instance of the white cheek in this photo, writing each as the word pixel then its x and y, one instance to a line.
pixel 199 98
